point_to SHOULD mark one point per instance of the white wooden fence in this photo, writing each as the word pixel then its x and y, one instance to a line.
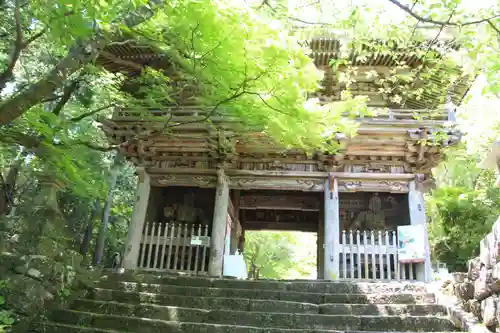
pixel 371 255
pixel 168 247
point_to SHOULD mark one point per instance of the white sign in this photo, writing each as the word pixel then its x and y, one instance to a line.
pixel 411 243
pixel 200 240
pixel 195 241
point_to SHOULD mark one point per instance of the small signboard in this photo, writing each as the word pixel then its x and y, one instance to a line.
pixel 200 240
pixel 411 244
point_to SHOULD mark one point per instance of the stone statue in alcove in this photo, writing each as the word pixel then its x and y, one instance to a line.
pixel 186 211
pixel 373 218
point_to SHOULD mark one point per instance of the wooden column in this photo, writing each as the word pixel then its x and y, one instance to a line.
pixel 320 260
pixel 134 236
pixel 417 216
pixel 332 232
pixel 236 228
pixel 215 264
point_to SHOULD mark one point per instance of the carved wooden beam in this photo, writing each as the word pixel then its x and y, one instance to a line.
pixel 273 225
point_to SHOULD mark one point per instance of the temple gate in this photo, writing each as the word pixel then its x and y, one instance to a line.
pixel 202 181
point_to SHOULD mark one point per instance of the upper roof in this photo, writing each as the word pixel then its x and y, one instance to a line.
pixel 130 58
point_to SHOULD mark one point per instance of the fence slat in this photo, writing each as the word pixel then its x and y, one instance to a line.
pixel 358 253
pixel 344 256
pixel 205 247
pixel 190 248
pixel 380 256
pixel 197 249
pixel 365 245
pixel 149 261
pixel 171 246
pixel 351 255
pixel 397 266
pixel 177 245
pixel 374 258
pixel 164 246
pixel 184 245
pixel 158 247
pixel 388 256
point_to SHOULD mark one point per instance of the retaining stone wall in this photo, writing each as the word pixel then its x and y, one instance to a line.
pixel 478 290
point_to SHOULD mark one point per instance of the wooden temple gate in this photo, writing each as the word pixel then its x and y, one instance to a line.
pixel 348 198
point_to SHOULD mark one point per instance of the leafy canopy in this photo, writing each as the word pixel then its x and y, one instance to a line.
pixel 280 254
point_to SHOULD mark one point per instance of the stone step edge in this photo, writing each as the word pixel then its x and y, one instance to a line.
pixel 80 328
pixel 268 290
pixel 261 299
pixel 173 276
pixel 273 313
pixel 318 306
pixel 201 309
pixel 279 330
pixel 220 298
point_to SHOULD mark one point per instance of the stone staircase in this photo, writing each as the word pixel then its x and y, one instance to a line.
pixel 161 304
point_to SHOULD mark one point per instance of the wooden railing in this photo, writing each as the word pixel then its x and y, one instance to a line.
pixel 191 113
pixel 175 247
pixel 371 255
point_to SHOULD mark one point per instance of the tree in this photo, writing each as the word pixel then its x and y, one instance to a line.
pixel 466 202
pixel 278 255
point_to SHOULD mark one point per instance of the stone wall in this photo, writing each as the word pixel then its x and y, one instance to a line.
pixel 39 268
pixel 31 285
pixel 478 290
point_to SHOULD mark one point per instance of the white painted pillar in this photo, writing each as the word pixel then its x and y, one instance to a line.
pixel 417 216
pixel 134 236
pixel 215 264
pixel 332 229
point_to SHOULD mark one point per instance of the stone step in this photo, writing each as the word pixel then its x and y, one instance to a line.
pixel 187 313
pixel 337 287
pixel 189 328
pixel 383 309
pixel 246 304
pixel 240 304
pixel 264 320
pixel 282 295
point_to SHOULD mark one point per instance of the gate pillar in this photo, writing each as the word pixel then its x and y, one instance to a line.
pixel 332 229
pixel 417 216
pixel 215 264
pixel 131 255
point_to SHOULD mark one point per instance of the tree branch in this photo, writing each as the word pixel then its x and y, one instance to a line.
pixel 78 56
pixel 35 37
pixel 98 148
pixel 494 27
pixel 440 23
pixel 6 75
pixel 67 93
pixel 91 113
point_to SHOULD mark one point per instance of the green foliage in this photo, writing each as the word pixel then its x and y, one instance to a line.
pixel 280 254
pixel 466 202
pixel 249 67
pixel 460 219
pixel 6 316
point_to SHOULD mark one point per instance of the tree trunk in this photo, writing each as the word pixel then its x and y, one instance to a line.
pixel 8 184
pixel 87 237
pixel 101 238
